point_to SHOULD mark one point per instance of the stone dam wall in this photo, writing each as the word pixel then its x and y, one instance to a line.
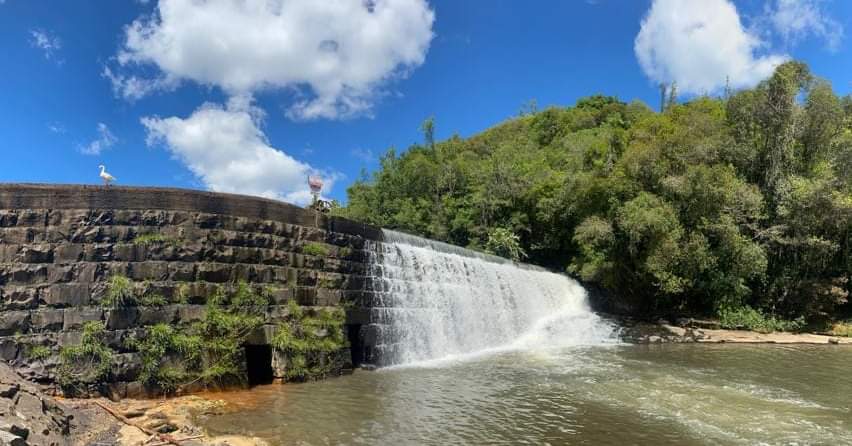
pixel 60 246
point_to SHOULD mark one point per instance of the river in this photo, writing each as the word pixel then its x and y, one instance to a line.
pixel 671 394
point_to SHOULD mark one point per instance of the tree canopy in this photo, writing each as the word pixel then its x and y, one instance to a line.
pixel 716 203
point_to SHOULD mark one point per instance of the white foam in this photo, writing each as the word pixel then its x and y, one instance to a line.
pixel 444 303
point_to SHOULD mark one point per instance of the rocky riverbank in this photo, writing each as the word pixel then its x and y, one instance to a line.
pixel 29 417
pixel 701 331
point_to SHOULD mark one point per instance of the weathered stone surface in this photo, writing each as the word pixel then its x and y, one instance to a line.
pixel 68 253
pixel 28 417
pixel 74 318
pixel 122 318
pixel 60 245
pixel 19 297
pixel 14 322
pixel 214 272
pixel 47 320
pixel 66 295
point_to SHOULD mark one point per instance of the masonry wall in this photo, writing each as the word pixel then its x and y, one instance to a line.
pixel 59 245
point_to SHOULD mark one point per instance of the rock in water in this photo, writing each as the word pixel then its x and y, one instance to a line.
pixel 28 416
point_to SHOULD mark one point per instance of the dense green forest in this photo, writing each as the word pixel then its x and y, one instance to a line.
pixel 738 206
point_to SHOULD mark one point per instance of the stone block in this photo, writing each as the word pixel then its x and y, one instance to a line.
pixel 191 313
pixel 148 271
pixel 74 318
pixel 31 217
pixel 89 272
pixel 122 318
pixel 23 274
pixel 277 313
pixel 85 234
pixel 66 295
pixel 306 296
pixel 263 335
pixel 126 252
pixel 68 253
pixel 244 273
pixel 8 253
pixel 158 315
pixel 14 322
pixel 101 252
pixel 53 234
pixel 60 273
pixel 214 272
pixel 19 297
pixel 16 236
pixel 35 254
pixel 127 366
pixel 9 349
pixel 328 298
pixel 69 338
pixel 47 320
pixel 8 218
pixel 280 296
pixel 181 272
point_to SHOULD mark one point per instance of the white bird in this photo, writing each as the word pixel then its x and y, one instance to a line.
pixel 106 176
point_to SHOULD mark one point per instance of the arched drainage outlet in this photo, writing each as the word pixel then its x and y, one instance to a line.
pixel 259 364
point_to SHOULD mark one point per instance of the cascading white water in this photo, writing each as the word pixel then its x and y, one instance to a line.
pixel 441 301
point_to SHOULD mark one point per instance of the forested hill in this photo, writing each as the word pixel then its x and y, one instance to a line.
pixel 739 206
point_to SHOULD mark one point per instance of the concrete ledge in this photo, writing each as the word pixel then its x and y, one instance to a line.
pixel 79 196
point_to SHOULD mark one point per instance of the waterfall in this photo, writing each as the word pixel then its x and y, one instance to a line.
pixel 439 301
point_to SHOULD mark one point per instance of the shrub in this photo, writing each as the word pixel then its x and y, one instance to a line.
pixel 309 340
pixel 153 300
pixel 119 292
pixel 315 249
pixel 208 351
pixel 87 363
pixel 37 352
pixel 504 243
pixel 751 319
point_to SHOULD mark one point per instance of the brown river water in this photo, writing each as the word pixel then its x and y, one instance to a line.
pixel 670 394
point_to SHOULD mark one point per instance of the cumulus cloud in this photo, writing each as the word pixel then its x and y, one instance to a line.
pixel 336 55
pixel 46 42
pixel 104 140
pixel 795 20
pixel 700 44
pixel 226 149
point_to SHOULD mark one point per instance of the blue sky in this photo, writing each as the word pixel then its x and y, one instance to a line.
pixel 223 96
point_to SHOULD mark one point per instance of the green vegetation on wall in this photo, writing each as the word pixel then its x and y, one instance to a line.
pixel 208 352
pixel 717 206
pixel 308 340
pixel 87 363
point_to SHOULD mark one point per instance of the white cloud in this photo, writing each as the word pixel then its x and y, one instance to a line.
pixel 365 155
pixel 56 127
pixel 700 44
pixel 795 20
pixel 104 140
pixel 336 54
pixel 227 150
pixel 47 43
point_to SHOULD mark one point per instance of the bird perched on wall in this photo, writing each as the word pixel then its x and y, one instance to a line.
pixel 106 176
